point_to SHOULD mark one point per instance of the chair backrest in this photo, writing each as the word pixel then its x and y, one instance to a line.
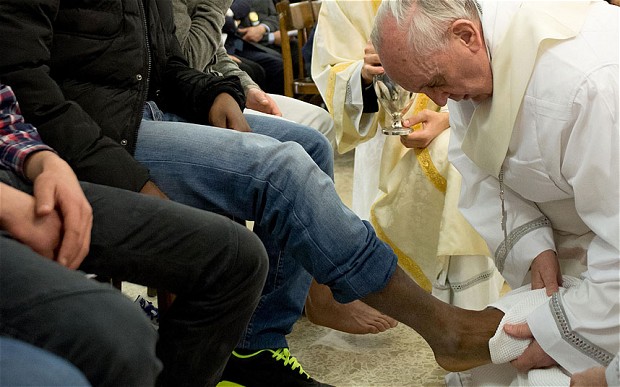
pixel 301 18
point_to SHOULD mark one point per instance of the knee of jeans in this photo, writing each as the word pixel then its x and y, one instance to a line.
pixel 321 151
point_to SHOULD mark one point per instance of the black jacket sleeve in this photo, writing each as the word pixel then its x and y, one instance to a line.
pixel 26 35
pixel 185 91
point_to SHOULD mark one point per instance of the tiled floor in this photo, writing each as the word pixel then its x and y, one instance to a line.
pixel 396 358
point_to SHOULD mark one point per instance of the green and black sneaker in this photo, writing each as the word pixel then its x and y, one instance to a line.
pixel 266 368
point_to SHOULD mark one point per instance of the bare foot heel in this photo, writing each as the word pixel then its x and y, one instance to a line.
pixel 466 345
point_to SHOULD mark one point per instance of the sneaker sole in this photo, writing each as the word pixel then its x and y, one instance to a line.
pixel 226 383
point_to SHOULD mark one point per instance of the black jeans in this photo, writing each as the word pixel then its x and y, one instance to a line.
pixel 215 266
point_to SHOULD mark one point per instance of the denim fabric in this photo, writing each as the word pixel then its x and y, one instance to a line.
pixel 271 177
pixel 22 364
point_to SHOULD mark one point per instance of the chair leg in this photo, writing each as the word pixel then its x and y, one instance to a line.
pixel 151 292
pixel 117 284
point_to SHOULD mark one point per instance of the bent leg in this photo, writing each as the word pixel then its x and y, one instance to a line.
pixel 314 143
pixel 306 114
pixel 276 185
pixel 23 364
pixel 215 267
pixel 90 324
pixel 287 283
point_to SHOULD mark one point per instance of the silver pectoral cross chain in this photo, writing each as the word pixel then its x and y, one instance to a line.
pixel 501 197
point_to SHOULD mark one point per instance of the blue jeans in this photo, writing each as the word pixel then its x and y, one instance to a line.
pixel 23 364
pixel 280 177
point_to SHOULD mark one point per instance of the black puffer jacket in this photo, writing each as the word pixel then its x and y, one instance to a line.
pixel 82 70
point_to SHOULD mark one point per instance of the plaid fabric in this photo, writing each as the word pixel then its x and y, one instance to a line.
pixel 17 138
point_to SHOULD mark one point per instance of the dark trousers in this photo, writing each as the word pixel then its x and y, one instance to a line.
pixel 215 266
pixel 270 60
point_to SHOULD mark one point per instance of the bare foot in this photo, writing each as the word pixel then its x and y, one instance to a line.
pixel 466 342
pixel 354 317
pixel 458 337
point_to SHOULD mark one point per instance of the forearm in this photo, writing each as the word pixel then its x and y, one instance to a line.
pixel 191 93
pixel 18 140
pixel 10 201
pixel 153 190
pixel 36 163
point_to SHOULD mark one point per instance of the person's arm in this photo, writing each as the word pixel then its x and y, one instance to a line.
pixel 267 31
pixel 55 221
pixel 194 94
pixel 19 218
pixel 65 126
pixel 433 124
pixel 198 31
pixel 340 72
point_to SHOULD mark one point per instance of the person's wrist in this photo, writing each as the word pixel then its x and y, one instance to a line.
pixel 36 162
pixel 8 207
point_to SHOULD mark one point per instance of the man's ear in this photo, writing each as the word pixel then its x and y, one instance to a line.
pixel 467 33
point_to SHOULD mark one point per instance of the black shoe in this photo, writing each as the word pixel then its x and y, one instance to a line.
pixel 266 368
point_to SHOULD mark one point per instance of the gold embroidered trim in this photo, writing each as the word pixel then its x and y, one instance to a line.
pixel 375 5
pixel 423 155
pixel 331 84
pixel 404 261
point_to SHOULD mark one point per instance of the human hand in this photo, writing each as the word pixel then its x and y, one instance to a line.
pixel 545 270
pixel 433 123
pixel 18 216
pixel 258 100
pixel 372 64
pixel 534 356
pixel 151 189
pixel 252 34
pixel 225 113
pixel 594 376
pixel 234 59
pixel 57 192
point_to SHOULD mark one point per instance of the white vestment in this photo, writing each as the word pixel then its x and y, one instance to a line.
pixel 410 195
pixel 561 183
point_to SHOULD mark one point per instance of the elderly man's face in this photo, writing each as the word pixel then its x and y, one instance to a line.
pixel 457 73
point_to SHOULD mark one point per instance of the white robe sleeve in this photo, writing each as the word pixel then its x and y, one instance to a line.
pixel 581 328
pixel 612 373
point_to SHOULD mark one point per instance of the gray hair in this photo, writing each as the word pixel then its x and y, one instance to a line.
pixel 427 27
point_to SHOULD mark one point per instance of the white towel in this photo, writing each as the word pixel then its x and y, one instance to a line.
pixel 517 305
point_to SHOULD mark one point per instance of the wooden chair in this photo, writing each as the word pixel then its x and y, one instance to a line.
pixel 300 17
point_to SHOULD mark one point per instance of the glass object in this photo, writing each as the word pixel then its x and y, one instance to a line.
pixel 394 99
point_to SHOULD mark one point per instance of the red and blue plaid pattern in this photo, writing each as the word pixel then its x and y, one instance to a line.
pixel 17 138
